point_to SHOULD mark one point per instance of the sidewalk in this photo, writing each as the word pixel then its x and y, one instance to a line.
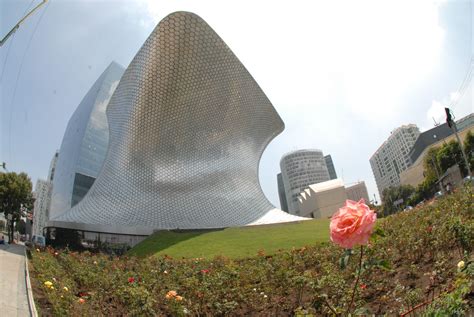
pixel 13 298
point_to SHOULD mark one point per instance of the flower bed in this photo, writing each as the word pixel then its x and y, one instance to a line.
pixel 412 256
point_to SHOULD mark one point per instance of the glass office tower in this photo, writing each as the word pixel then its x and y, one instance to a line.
pixel 84 144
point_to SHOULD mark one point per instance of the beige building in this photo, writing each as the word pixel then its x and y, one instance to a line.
pixel 414 175
pixel 357 191
pixel 322 200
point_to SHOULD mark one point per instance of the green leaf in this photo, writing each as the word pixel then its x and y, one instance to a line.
pixel 344 260
pixel 379 232
pixel 384 264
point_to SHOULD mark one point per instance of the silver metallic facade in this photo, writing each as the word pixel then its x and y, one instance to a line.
pixel 84 144
pixel 188 125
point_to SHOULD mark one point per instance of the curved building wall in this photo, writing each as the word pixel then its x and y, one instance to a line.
pixel 299 169
pixel 188 125
pixel 84 144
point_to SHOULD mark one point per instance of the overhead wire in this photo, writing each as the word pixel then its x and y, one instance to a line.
pixel 18 77
pixel 11 44
pixel 470 72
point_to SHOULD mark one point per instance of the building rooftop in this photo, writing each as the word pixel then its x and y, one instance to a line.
pixel 436 134
pixel 392 134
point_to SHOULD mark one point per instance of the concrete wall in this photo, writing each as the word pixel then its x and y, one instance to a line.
pixel 357 191
pixel 322 202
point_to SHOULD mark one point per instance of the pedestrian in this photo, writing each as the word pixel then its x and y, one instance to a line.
pixel 448 188
pixel 2 240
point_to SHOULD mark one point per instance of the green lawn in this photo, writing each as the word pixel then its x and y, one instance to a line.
pixel 234 242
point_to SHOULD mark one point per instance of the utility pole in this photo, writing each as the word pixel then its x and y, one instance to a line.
pixel 20 22
pixel 452 124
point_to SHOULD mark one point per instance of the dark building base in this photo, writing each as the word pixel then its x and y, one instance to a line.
pixel 88 240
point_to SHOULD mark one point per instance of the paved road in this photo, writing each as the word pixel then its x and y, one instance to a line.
pixel 13 298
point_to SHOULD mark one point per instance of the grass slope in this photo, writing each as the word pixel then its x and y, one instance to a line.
pixel 234 242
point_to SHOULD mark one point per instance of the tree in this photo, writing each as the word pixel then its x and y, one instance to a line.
pixel 392 194
pixel 15 193
pixel 450 154
pixel 431 165
pixel 424 191
pixel 21 226
pixel 469 148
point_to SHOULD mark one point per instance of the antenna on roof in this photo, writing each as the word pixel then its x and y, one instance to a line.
pixel 435 122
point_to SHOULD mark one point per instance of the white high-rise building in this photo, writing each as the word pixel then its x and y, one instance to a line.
pixel 43 191
pixel 52 167
pixel 42 201
pixel 299 169
pixel 392 158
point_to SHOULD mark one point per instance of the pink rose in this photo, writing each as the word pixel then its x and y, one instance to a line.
pixel 352 224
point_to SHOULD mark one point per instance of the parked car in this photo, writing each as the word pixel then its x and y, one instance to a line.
pixel 468 179
pixel 37 242
pixel 408 208
pixel 438 194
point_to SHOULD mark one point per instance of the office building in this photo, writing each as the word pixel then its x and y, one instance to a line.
pixel 299 169
pixel 330 166
pixel 52 167
pixel 84 144
pixel 281 193
pixel 392 157
pixel 42 195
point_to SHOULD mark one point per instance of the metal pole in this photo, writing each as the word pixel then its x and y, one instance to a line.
pixel 20 22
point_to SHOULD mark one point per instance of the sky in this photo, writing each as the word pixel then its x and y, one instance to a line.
pixel 341 74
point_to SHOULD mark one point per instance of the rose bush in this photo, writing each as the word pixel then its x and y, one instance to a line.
pixel 285 283
pixel 350 226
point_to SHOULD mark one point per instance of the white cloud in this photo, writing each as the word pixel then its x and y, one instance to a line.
pixel 339 66
pixel 370 52
pixel 459 104
pixel 436 113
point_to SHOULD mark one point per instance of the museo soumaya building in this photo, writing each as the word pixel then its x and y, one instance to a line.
pixel 187 125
